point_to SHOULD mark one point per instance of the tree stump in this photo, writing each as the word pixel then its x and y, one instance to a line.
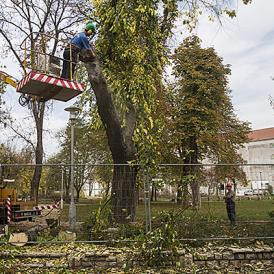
pixel 18 239
pixel 67 236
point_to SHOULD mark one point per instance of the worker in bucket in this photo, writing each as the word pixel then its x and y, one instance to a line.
pixel 230 204
pixel 79 45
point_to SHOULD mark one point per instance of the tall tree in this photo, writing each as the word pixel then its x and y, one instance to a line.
pixel 31 18
pixel 22 174
pixel 126 78
pixel 88 152
pixel 204 124
pixel 132 59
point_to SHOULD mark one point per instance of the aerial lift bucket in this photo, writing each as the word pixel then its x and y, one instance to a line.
pixel 49 87
pixel 43 80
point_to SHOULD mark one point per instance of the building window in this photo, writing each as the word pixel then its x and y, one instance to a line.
pixel 271 145
pixel 272 156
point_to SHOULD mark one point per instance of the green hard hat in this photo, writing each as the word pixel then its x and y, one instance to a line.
pixel 90 26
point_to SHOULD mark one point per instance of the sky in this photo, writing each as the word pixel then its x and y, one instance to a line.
pixel 246 43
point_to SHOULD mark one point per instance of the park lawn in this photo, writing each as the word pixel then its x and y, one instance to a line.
pixel 83 211
pixel 246 210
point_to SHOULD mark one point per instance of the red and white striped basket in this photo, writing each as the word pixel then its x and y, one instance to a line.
pixel 49 87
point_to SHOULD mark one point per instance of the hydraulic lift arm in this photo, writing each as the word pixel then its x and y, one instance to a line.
pixel 4 77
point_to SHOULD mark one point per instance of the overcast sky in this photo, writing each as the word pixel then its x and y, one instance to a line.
pixel 245 42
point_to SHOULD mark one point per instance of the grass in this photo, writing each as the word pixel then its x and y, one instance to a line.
pixel 210 221
pixel 246 210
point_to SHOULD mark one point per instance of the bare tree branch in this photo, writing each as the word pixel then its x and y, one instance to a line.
pixel 12 48
pixel 19 133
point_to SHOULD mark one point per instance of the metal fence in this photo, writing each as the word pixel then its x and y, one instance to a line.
pixel 110 202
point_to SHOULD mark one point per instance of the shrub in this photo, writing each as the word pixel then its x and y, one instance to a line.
pixel 157 246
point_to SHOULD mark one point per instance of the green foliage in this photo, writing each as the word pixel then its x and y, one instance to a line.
pixel 22 175
pixel 210 226
pixel 100 226
pixel 90 148
pixel 132 47
pixel 98 221
pixel 200 93
pixel 45 236
pixel 54 173
pixel 130 230
pixel 200 116
pixel 133 58
pixel 157 246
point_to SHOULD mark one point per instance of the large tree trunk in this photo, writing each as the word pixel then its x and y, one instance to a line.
pixel 184 184
pixel 195 184
pixel 77 195
pixel 124 194
pixel 185 196
pixel 153 195
pixel 90 188
pixel 38 109
pixel 196 196
pixel 120 140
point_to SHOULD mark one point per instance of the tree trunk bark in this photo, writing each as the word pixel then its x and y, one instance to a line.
pixel 195 184
pixel 137 196
pixel 124 194
pixel 185 195
pixel 77 195
pixel 151 194
pixel 179 195
pixel 38 110
pixel 107 189
pixel 90 188
pixel 196 196
pixel 120 140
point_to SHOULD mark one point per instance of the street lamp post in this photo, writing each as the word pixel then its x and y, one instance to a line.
pixel 73 111
pixel 62 187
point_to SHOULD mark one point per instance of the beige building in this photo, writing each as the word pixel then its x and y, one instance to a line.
pixel 259 153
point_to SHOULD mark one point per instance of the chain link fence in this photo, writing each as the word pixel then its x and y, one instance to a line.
pixel 120 201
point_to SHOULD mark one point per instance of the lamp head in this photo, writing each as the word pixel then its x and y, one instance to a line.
pixel 73 111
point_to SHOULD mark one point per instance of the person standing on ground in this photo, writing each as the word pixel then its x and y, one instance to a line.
pixel 79 44
pixel 230 204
